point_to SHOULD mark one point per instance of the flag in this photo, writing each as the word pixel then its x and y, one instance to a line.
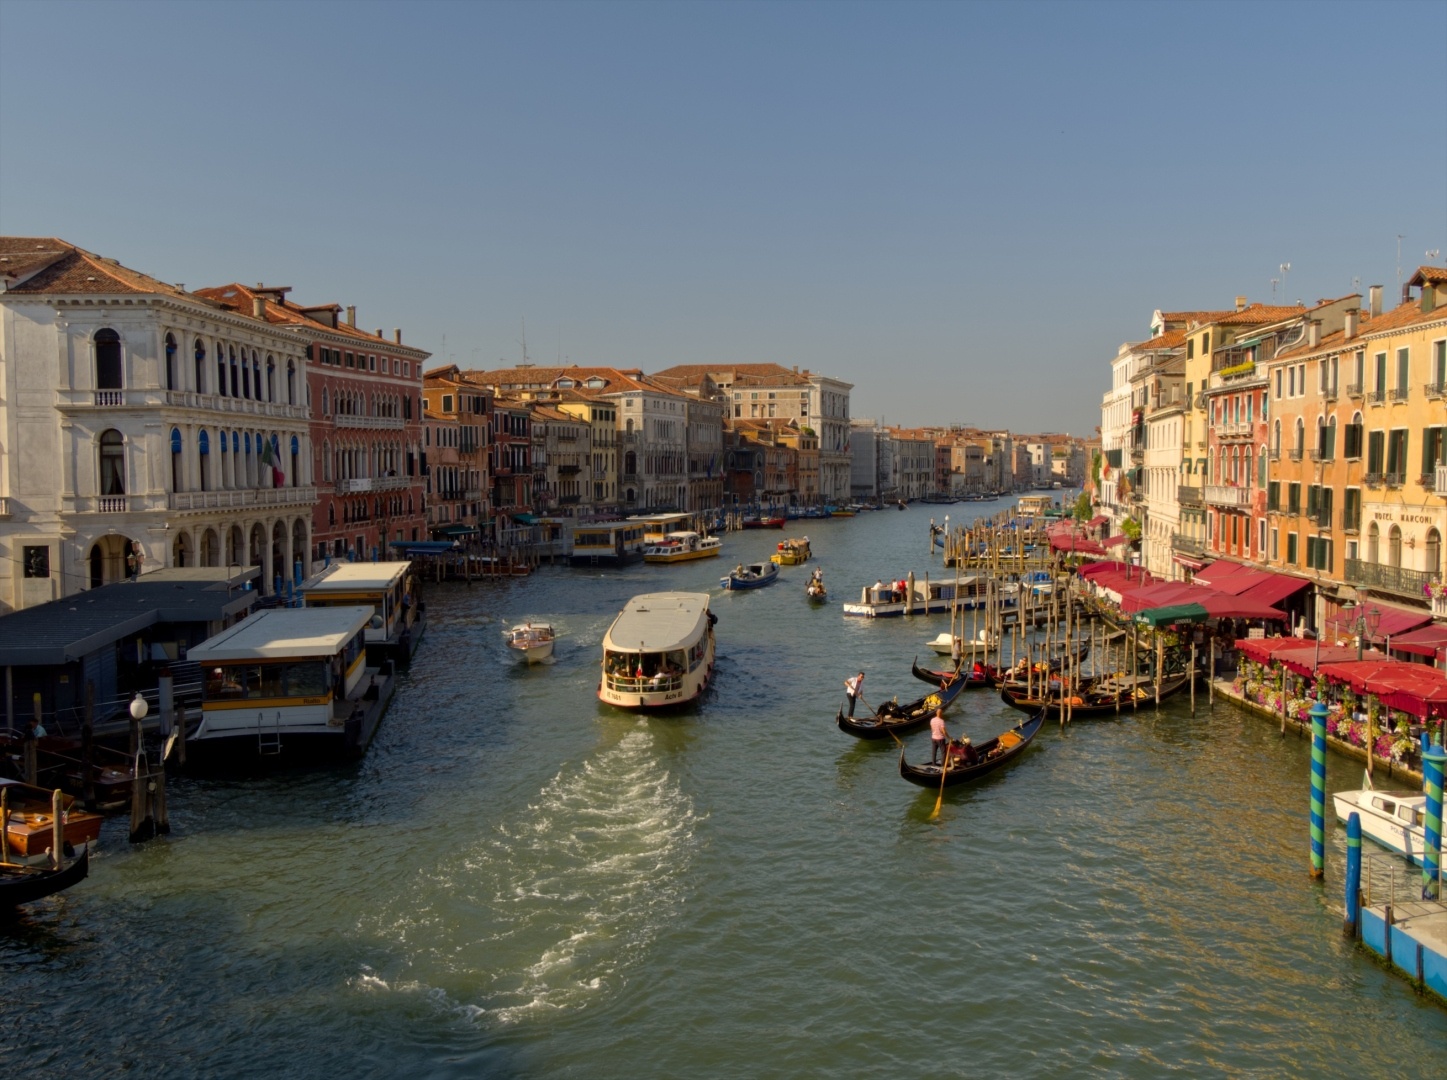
pixel 711 459
pixel 269 457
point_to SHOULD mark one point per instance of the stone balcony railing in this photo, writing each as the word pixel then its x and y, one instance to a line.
pixel 354 485
pixel 1439 607
pixel 1227 495
pixel 1354 390
pixel 1441 487
pixel 4 507
pixel 348 420
pixel 199 501
pixel 1394 579
pixel 181 399
pixel 1239 429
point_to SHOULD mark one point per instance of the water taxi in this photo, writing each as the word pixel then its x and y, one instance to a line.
pixel 659 651
pixel 928 597
pixel 1396 821
pixel 27 823
pixel 532 641
pixel 608 543
pixel 289 683
pixel 388 588
pixel 792 552
pixel 682 547
pixel 753 576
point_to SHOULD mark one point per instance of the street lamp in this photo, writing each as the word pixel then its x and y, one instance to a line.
pixel 140 708
pixel 1364 621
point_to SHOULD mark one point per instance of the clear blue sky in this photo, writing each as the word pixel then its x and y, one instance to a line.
pixel 961 208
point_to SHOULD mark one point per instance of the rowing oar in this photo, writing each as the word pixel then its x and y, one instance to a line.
pixel 944 768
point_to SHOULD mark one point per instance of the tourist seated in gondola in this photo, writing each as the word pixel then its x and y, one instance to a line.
pixel 963 752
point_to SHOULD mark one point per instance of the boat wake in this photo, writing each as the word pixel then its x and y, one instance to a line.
pixel 550 912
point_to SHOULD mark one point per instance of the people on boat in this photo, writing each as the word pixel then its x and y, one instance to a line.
pixel 739 570
pixel 939 737
pixel 853 688
pixel 963 752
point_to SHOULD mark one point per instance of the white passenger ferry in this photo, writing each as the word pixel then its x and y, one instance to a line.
pixel 290 682
pixel 658 652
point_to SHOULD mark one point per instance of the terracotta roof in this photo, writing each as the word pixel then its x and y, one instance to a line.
pixel 521 378
pixel 1429 275
pixel 1403 315
pixel 737 374
pixel 1258 314
pixel 45 265
pixel 283 312
pixel 1171 339
pixel 547 412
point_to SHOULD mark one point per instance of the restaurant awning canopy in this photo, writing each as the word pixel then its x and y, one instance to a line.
pixel 1208 605
pixel 1077 544
pixel 1301 655
pixel 1098 520
pixel 1390 620
pixel 1428 641
pixel 1413 688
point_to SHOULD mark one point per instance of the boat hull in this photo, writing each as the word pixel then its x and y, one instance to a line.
pixel 1012 744
pixel 1386 829
pixel 22 885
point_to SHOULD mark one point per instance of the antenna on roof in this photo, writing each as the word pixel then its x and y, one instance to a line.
pixel 1285 269
pixel 1400 238
pixel 524 343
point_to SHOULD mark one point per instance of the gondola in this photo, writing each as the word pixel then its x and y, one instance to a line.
pixel 989 756
pixel 1097 701
pixel 972 681
pixel 21 884
pixel 898 719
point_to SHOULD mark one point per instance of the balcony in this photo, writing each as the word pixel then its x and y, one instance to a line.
pixel 1320 518
pixel 1187 545
pixel 394 423
pixel 1351 524
pixel 1393 579
pixel 190 399
pixel 569 470
pixel 1372 479
pixel 1354 390
pixel 1274 453
pixel 1394 480
pixel 1227 495
pixel 472 495
pixel 1241 429
pixel 1294 454
pixel 1376 397
pixel 1314 455
pixel 1399 394
pixel 356 485
pixel 1188 495
pixel 1439 607
pixel 1435 391
pixel 198 501
pixel 1329 394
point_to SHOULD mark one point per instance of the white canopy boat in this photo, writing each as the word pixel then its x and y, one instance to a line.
pixel 534 641
pixel 1395 821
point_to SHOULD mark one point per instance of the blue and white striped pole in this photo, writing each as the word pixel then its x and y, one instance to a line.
pixel 1432 762
pixel 1318 791
pixel 1352 926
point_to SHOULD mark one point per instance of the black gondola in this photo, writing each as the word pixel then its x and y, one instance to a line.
pixel 1095 701
pixel 972 681
pixel 898 719
pixel 988 757
pixel 21 884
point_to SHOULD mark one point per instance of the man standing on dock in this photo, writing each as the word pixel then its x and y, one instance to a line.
pixel 852 690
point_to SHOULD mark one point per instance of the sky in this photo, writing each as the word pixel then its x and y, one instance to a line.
pixel 961 208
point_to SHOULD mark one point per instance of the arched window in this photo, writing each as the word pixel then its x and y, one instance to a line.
pixel 327 460
pixel 1374 538
pixel 295 460
pixel 107 360
pixel 245 375
pixel 112 463
pixel 270 378
pixel 221 370
pixel 203 450
pixel 178 465
pixel 1276 438
pixel 291 382
pixel 256 374
pixel 1394 546
pixel 1300 435
pixel 326 402
pixel 173 377
pixel 235 374
pixel 200 351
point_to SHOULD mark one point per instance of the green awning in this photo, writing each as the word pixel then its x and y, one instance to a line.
pixel 457 530
pixel 1172 613
pixel 525 519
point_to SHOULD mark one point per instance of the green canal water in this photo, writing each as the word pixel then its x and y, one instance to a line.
pixel 520 882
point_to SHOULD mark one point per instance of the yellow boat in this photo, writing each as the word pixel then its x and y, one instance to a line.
pixel 792 552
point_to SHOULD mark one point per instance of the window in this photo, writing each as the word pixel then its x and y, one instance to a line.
pixel 1397 454
pixel 1278 383
pixel 200 351
pixel 36 561
pixel 1273 495
pixel 1291 548
pixel 1404 371
pixel 1373 542
pixel 1351 513
pixel 1439 365
pixel 1394 546
pixel 172 376
pixel 1293 498
pixel 1432 552
pixel 1275 544
pixel 1376 452
pixel 1381 375
pixel 107 360
pixel 1434 448
pixel 112 463
pixel 1205 343
pixel 1352 438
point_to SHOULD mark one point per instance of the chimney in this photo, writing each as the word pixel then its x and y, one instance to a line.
pixel 397 334
pixel 1313 333
pixel 1240 303
pixel 1406 293
pixel 258 306
pixel 1374 295
pixel 378 334
pixel 1349 326
pixel 352 316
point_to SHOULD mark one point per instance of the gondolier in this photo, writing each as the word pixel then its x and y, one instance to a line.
pixel 939 738
pixel 852 690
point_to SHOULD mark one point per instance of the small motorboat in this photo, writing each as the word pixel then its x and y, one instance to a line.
pixel 28 823
pixel 792 552
pixel 752 576
pixel 1395 821
pixel 533 641
pixel 765 522
pixel 964 763
pixel 682 547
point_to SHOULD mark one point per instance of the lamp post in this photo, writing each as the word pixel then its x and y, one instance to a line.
pixel 1365 622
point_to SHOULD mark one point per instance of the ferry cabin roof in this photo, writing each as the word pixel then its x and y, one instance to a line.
pixel 658 622
pixel 359 577
pixel 285 634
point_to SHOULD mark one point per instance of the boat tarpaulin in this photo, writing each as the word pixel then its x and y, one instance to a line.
pixel 1090 569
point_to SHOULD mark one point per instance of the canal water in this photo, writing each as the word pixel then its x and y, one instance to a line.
pixel 518 881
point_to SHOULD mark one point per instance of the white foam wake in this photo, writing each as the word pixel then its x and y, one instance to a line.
pixel 549 912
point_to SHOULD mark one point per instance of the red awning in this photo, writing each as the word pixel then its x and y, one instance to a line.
pixel 1275 588
pixel 1428 641
pixel 1116 541
pixel 1077 544
pixel 1414 688
pixel 1301 655
pixel 1392 621
pixel 1161 594
pixel 1091 569
pixel 1099 519
pixel 1219 572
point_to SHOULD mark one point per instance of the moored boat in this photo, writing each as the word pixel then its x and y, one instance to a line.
pixel 966 763
pixel 21 884
pixel 1094 697
pixel 977 676
pixel 608 543
pixel 1395 821
pixel 682 547
pixel 28 823
pixel 792 552
pixel 751 576
pixel 532 641
pixel 659 652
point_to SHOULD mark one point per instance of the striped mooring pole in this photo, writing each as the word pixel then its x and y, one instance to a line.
pixel 1432 761
pixel 1318 791
pixel 1352 925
